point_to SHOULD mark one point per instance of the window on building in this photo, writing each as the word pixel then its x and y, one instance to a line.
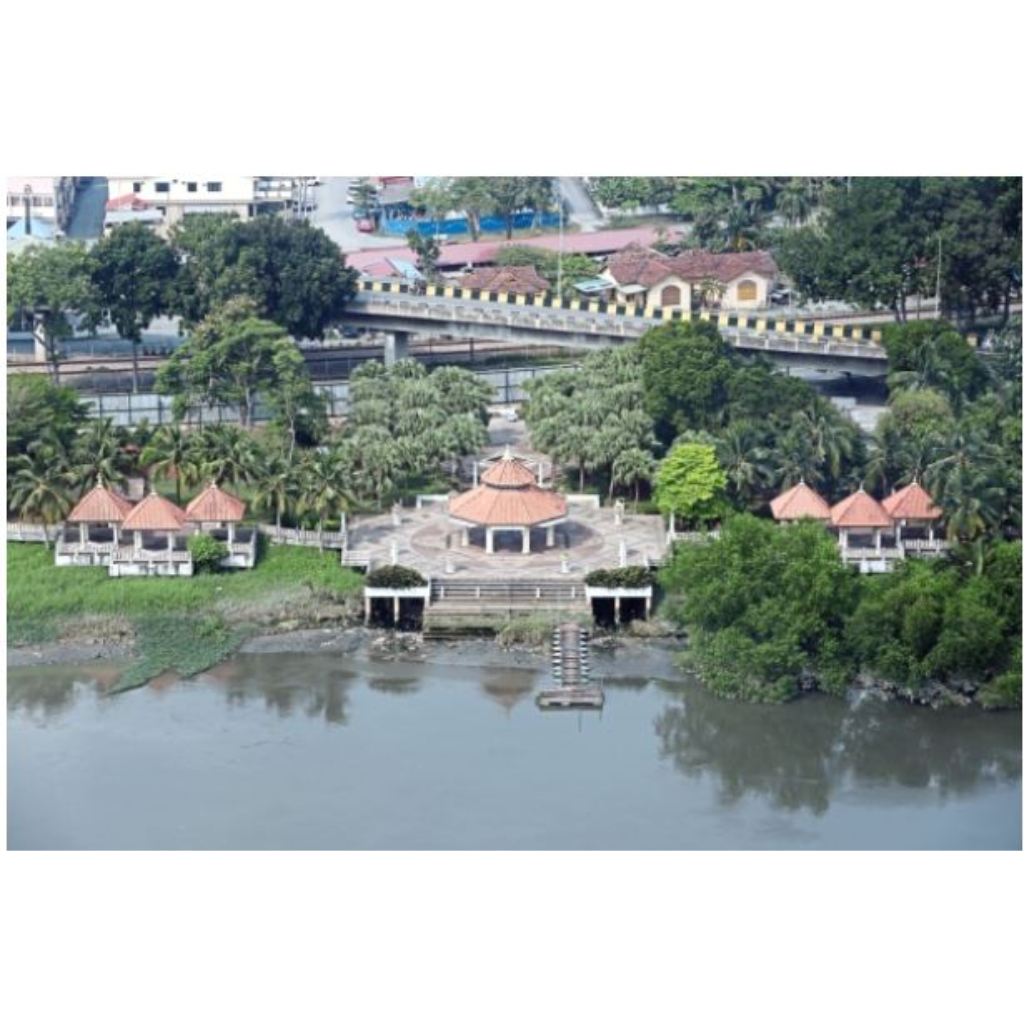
pixel 746 291
pixel 671 295
pixel 136 186
pixel 192 185
pixel 163 186
pixel 213 186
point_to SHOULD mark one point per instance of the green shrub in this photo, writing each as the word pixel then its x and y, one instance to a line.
pixel 395 577
pixel 630 576
pixel 207 553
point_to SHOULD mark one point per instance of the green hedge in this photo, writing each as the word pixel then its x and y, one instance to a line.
pixel 630 576
pixel 395 577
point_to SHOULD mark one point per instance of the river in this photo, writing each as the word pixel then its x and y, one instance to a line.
pixel 325 750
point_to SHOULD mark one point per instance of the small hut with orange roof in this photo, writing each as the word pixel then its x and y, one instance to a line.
pixel 508 498
pixel 157 529
pixel 219 513
pixel 93 528
pixel 914 515
pixel 860 522
pixel 800 502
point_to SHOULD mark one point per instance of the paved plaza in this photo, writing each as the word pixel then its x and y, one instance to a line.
pixel 427 540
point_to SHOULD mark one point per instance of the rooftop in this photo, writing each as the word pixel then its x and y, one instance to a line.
pixel 911 502
pixel 508 495
pixel 800 502
pixel 512 280
pixel 100 505
pixel 215 506
pixel 860 510
pixel 155 512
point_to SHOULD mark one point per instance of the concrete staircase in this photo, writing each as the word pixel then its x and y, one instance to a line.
pixel 467 604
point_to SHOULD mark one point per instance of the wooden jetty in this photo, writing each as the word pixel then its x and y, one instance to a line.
pixel 570 666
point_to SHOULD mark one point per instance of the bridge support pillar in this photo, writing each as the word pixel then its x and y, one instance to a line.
pixel 396 346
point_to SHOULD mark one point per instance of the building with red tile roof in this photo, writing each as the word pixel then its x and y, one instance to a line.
pixel 215 506
pixel 859 511
pixel 511 280
pixel 739 279
pixel 912 502
pixel 101 505
pixel 508 498
pixel 155 512
pixel 457 255
pixel 800 502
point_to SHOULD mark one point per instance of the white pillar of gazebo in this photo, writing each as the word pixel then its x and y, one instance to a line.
pixel 137 541
pixel 231 533
pixel 551 536
pixel 465 537
pixel 170 542
pixel 931 531
pixel 878 541
pixel 526 540
pixel 117 534
pixel 842 538
pixel 83 533
pixel 489 540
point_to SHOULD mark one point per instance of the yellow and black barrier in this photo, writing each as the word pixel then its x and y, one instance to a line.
pixel 814 329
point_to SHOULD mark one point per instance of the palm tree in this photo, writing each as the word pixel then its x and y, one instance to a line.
pixel 631 467
pixel 709 292
pixel 277 488
pixel 320 490
pixel 169 453
pixel 39 487
pixel 795 201
pixel 223 454
pixel 965 451
pixel 795 460
pixel 972 501
pixel 745 461
pixel 830 438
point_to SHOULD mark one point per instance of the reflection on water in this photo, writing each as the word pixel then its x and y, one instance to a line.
pixel 413 757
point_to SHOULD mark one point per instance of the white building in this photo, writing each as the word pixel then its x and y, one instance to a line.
pixel 174 198
pixel 48 199
pixel 731 280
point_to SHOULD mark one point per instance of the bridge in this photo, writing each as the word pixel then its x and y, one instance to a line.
pixel 400 311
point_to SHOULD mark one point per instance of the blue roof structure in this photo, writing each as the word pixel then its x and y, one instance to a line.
pixel 40 229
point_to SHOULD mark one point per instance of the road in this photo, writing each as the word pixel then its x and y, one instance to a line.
pixel 582 210
pixel 334 214
pixel 90 205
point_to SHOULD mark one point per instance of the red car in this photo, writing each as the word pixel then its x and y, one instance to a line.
pixel 364 225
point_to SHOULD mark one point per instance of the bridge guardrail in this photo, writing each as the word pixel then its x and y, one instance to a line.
pixel 760 322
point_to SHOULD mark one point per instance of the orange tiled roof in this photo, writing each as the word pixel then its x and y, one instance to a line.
pixel 100 505
pixel 646 267
pixel 509 471
pixel 512 280
pixel 860 510
pixel 492 506
pixel 508 495
pixel 800 502
pixel 911 502
pixel 155 512
pixel 215 506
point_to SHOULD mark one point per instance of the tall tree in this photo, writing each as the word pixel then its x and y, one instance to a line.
pixel 230 358
pixel 169 454
pixel 134 273
pixel 50 287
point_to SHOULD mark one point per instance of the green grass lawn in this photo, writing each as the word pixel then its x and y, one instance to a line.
pixel 42 598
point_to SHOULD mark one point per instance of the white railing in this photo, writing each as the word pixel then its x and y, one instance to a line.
pixel 303 538
pixel 692 536
pixel 30 532
pixel 924 544
pixel 128 554
pixel 425 500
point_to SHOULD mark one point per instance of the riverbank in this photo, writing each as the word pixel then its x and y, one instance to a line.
pixel 444 747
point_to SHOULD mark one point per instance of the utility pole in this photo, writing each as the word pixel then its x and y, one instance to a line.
pixel 561 234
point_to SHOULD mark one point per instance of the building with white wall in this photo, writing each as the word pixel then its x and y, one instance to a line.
pixel 48 199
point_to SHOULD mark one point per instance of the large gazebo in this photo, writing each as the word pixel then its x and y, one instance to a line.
pixel 508 498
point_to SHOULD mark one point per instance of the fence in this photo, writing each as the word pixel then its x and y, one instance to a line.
pixel 34 533
pixel 303 538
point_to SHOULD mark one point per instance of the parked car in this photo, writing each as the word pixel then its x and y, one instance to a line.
pixel 364 224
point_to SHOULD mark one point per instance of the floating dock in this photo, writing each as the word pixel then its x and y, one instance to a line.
pixel 570 667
